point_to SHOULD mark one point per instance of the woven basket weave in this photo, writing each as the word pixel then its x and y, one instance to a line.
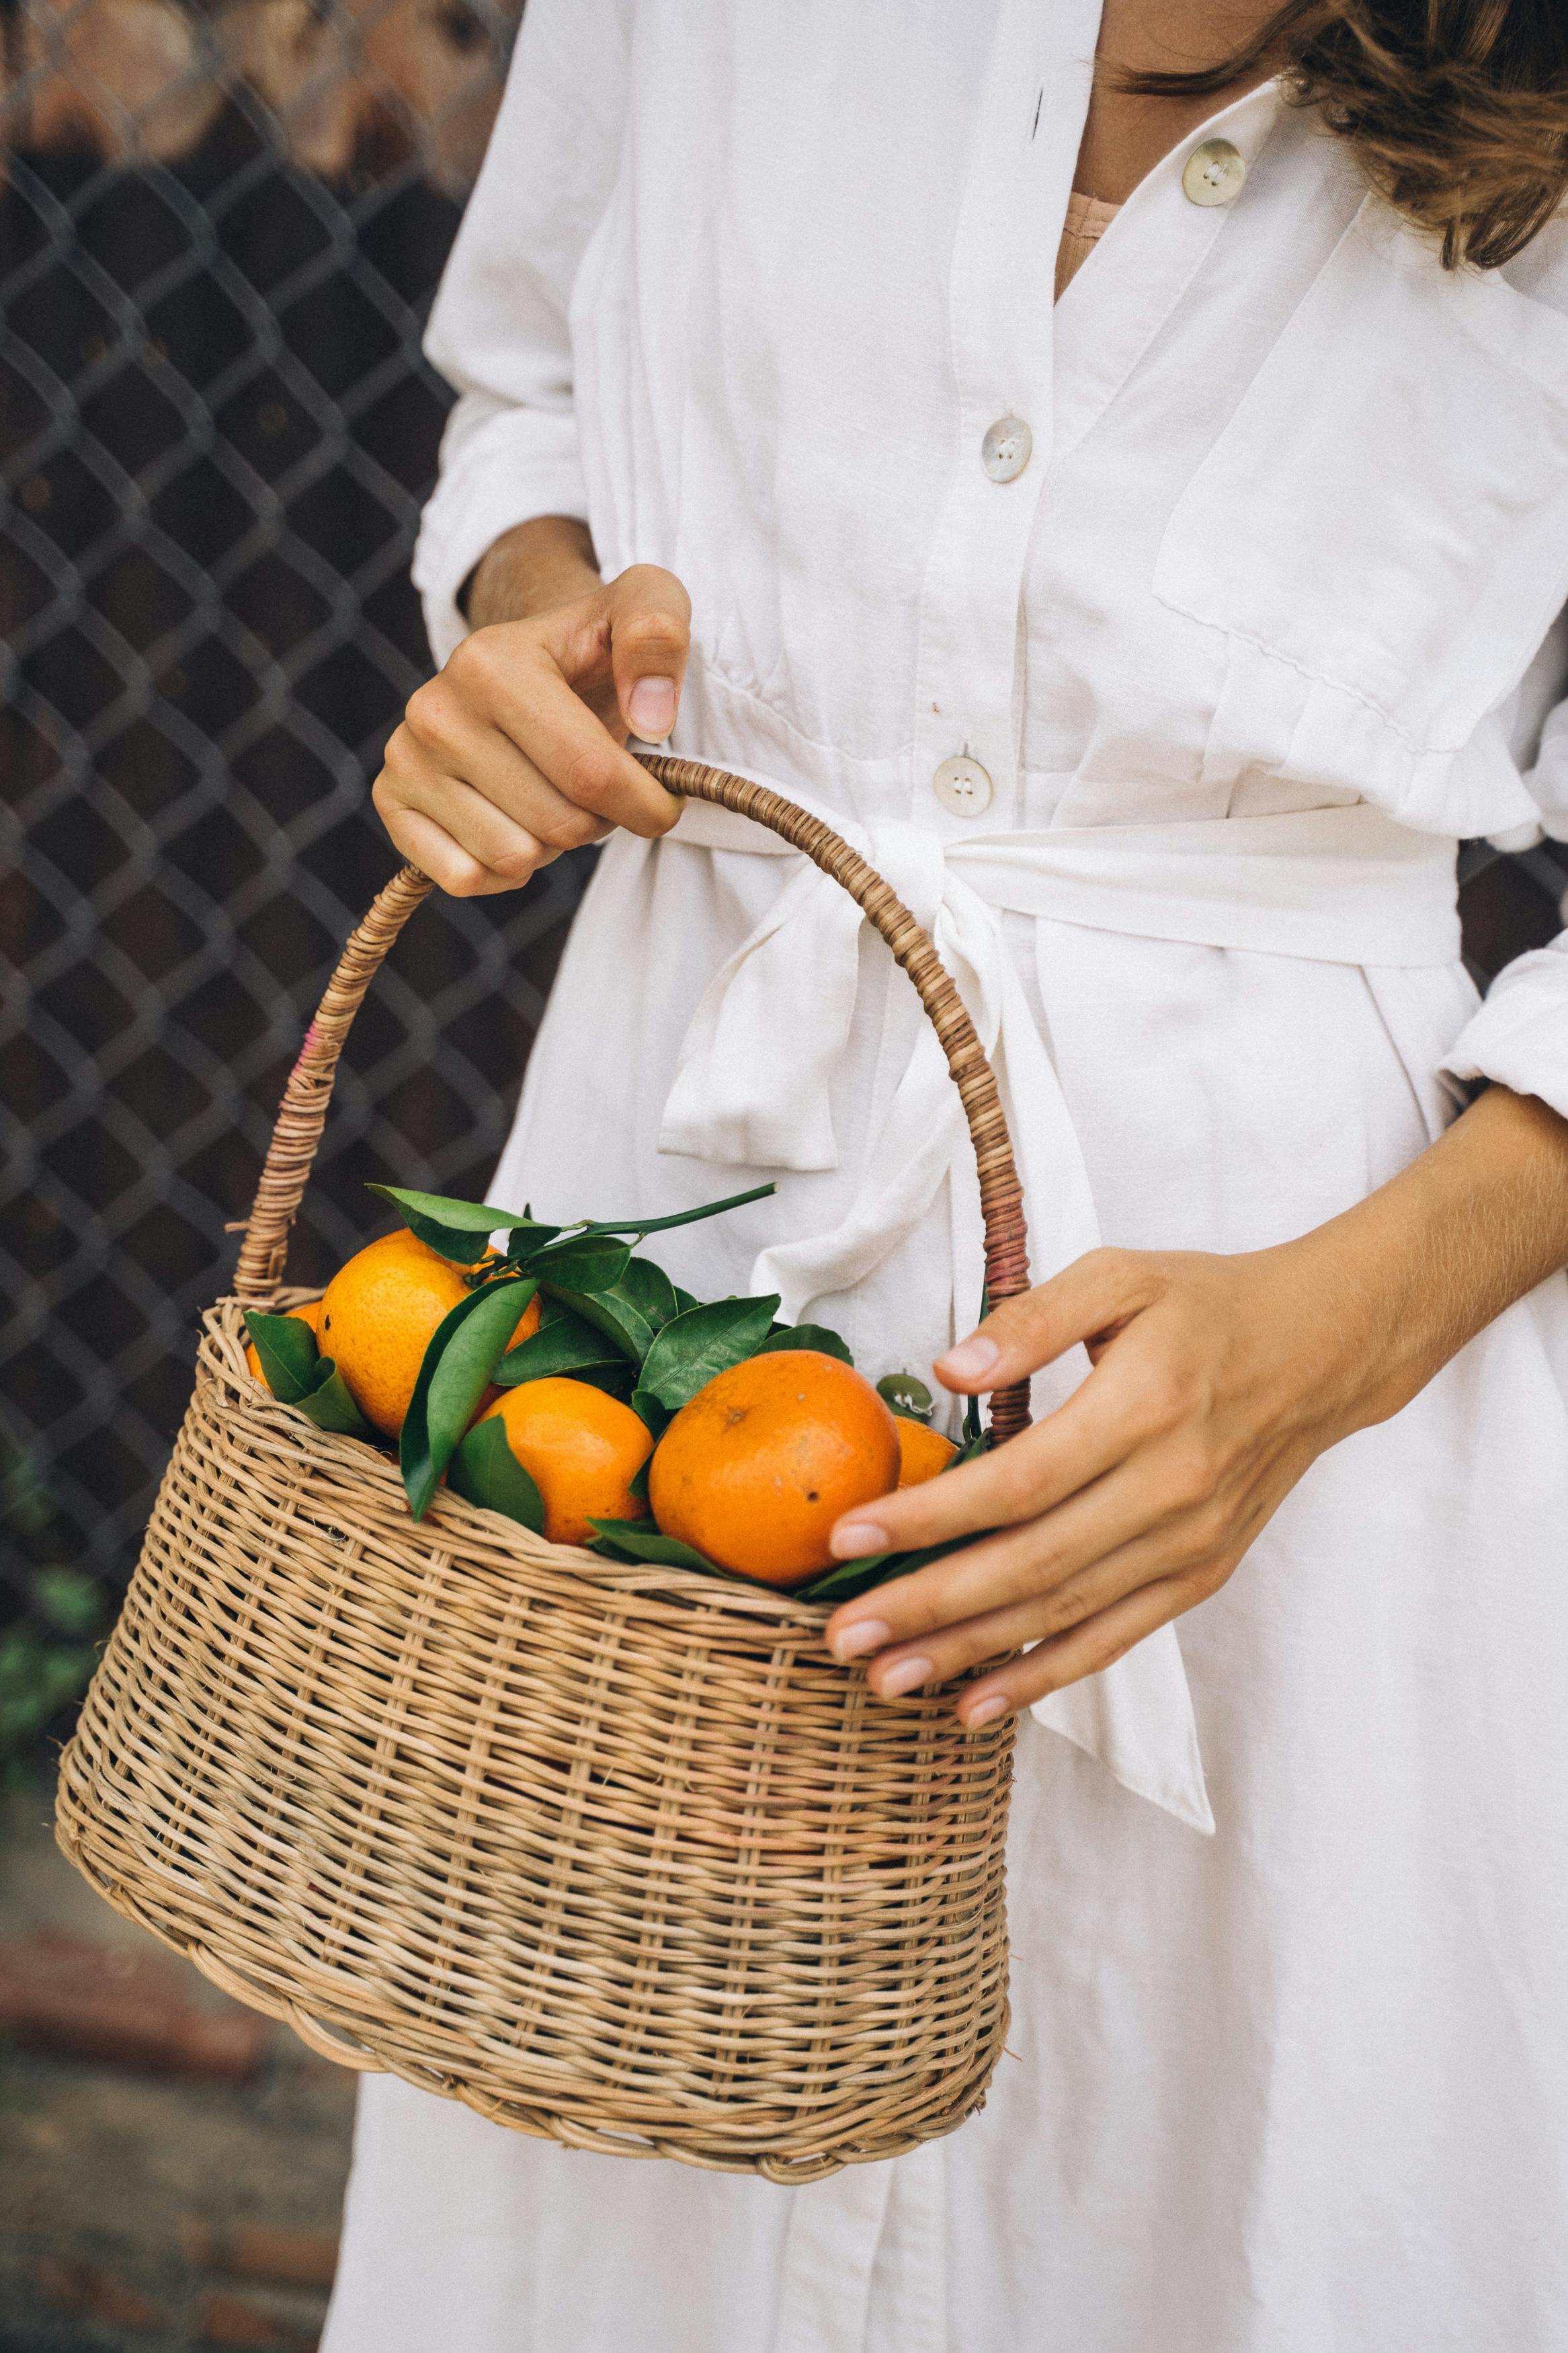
pixel 617 1855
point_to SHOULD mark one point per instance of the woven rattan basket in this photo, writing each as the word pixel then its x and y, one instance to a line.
pixel 615 1854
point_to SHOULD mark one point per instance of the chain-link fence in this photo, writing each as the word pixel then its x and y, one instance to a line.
pixel 219 233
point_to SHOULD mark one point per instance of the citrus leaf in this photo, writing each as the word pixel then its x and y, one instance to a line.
pixel 849 1578
pixel 329 1404
pixel 907 1396
pixel 289 1354
pixel 608 1312
pixel 616 1379
pixel 588 1262
pixel 454 1374
pixel 461 1231
pixel 650 1291
pixel 684 1299
pixel 486 1471
pixel 643 1541
pixel 647 1408
pixel 702 1341
pixel 826 1342
pixel 564 1344
pixel 640 1226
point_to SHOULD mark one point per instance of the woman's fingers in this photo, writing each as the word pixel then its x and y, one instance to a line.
pixel 947 1647
pixel 651 636
pixel 1118 1408
pixel 1087 1300
pixel 1107 1529
pixel 432 848
pixel 444 745
pixel 1084 1650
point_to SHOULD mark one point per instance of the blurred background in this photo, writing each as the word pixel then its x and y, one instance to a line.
pixel 220 229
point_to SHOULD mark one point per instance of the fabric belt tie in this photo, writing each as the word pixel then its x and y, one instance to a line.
pixel 754 1080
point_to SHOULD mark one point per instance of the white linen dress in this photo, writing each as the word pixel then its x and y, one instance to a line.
pixel 1263 625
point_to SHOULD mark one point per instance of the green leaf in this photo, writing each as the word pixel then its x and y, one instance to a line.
pixel 564 1343
pixel 685 1299
pixel 848 1577
pixel 610 1314
pixel 702 1341
pixel 331 1407
pixel 461 1231
pixel 973 1429
pixel 486 1471
pixel 615 1380
pixel 640 1226
pixel 71 1601
pixel 650 1291
pixel 288 1352
pixel 806 1336
pixel 642 1541
pixel 464 1351
pixel 906 1395
pixel 588 1262
pixel 657 1416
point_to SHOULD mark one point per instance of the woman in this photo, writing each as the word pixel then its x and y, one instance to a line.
pixel 1159 650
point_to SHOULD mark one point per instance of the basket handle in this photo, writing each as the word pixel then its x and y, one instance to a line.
pixel 303 1111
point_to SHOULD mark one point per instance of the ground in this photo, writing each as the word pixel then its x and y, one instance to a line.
pixel 143 2211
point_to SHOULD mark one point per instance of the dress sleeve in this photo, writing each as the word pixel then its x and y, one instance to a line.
pixel 1520 1036
pixel 499 331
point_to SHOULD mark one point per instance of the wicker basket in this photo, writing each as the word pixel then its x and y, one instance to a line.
pixel 615 1854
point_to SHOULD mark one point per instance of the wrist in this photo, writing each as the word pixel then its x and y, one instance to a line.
pixel 532 568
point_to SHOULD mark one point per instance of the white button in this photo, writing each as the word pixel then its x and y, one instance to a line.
pixel 1006 450
pixel 963 787
pixel 1214 173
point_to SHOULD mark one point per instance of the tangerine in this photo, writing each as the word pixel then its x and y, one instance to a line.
pixel 310 1313
pixel 922 1451
pixel 581 1449
pixel 378 1313
pixel 754 1470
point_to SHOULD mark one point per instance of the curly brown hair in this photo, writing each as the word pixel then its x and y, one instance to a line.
pixel 1457 110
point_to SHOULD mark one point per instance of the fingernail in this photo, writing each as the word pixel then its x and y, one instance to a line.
pixel 970 1358
pixel 865 1635
pixel 650 709
pixel 905 1677
pixel 986 1711
pixel 857 1537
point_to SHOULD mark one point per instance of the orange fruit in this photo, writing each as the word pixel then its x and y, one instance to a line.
pixel 310 1313
pixel 922 1451
pixel 378 1315
pixel 756 1469
pixel 582 1449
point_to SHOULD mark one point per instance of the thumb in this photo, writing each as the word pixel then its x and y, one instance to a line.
pixel 651 636
pixel 1087 1300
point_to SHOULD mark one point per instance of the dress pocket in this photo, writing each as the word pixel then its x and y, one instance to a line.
pixel 1386 513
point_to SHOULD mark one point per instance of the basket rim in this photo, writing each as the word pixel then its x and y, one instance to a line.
pixel 222 1350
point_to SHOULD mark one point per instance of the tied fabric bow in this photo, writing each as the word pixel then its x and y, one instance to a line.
pixel 753 1087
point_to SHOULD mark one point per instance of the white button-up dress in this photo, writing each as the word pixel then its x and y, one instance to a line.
pixel 1158 649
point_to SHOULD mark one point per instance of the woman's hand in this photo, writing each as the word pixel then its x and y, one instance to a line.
pixel 514 752
pixel 1214 1383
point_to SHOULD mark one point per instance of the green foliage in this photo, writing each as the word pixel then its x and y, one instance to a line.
pixel 485 1471
pixel 454 1374
pixel 907 1396
pixel 826 1343
pixel 640 1540
pixel 299 1375
pixel 48 1651
pixel 701 1342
